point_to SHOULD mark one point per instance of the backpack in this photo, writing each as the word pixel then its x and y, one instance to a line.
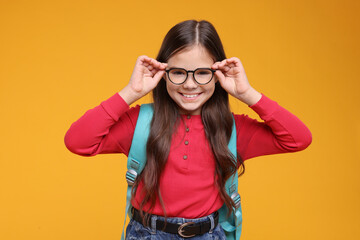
pixel 137 159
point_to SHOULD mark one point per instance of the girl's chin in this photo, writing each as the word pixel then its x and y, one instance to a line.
pixel 190 110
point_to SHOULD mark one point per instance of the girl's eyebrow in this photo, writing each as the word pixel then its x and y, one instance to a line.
pixel 174 66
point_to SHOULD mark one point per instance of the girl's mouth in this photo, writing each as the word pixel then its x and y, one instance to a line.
pixel 190 96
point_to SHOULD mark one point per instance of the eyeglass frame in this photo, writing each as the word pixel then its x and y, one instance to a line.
pixel 187 75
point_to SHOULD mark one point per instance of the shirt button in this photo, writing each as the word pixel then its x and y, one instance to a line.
pixel 185 157
pixel 188 117
pixel 187 129
pixel 186 142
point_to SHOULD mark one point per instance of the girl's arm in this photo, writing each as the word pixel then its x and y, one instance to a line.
pixel 109 127
pixel 280 132
pixel 106 128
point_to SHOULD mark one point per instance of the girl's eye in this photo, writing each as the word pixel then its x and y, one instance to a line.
pixel 178 72
pixel 203 72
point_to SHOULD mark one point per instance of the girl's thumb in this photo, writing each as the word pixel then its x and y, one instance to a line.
pixel 158 75
pixel 220 76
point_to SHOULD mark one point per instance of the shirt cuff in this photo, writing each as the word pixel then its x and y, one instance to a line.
pixel 115 106
pixel 265 107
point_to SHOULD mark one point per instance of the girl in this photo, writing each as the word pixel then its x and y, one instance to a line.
pixel 188 161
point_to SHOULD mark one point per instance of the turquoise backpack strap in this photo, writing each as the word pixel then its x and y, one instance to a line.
pixel 232 225
pixel 137 154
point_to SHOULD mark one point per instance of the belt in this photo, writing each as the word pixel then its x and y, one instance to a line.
pixel 188 229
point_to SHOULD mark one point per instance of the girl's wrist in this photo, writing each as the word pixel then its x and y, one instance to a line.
pixel 128 95
pixel 250 97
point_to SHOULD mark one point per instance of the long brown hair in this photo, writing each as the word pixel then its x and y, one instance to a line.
pixel 214 113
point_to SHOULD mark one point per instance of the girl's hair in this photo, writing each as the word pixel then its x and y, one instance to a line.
pixel 215 112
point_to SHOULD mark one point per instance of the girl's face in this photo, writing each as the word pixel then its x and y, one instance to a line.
pixel 190 96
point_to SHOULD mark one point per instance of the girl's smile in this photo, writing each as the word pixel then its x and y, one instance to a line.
pixel 190 96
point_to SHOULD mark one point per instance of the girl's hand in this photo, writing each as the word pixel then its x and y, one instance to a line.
pixel 232 77
pixel 145 77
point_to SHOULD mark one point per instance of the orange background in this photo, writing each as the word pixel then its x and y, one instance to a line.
pixel 61 58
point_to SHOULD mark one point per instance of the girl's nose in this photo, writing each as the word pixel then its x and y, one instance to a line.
pixel 190 82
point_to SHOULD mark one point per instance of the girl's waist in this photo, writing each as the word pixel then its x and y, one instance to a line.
pixel 186 207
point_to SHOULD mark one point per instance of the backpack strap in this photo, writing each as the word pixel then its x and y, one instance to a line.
pixel 232 225
pixel 137 154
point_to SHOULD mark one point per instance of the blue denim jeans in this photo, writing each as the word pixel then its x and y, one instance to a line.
pixel 136 230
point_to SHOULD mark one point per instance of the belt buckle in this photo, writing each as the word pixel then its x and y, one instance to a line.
pixel 181 230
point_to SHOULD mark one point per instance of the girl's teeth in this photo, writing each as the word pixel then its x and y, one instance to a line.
pixel 189 96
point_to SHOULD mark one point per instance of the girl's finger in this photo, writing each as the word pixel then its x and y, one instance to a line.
pixel 164 65
pixel 143 58
pixel 236 61
pixel 146 61
pixel 222 63
pixel 231 62
pixel 220 76
pixel 151 63
pixel 239 64
pixel 154 71
pixel 215 65
pixel 226 68
pixel 160 65
pixel 156 64
pixel 233 59
pixel 150 67
pixel 226 65
pixel 158 75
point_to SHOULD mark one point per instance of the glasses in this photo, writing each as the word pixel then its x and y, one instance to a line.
pixel 201 76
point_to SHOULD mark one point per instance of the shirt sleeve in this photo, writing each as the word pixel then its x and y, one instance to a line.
pixel 280 132
pixel 106 128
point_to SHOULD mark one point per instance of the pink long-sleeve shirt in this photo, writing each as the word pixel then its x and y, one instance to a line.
pixel 187 184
